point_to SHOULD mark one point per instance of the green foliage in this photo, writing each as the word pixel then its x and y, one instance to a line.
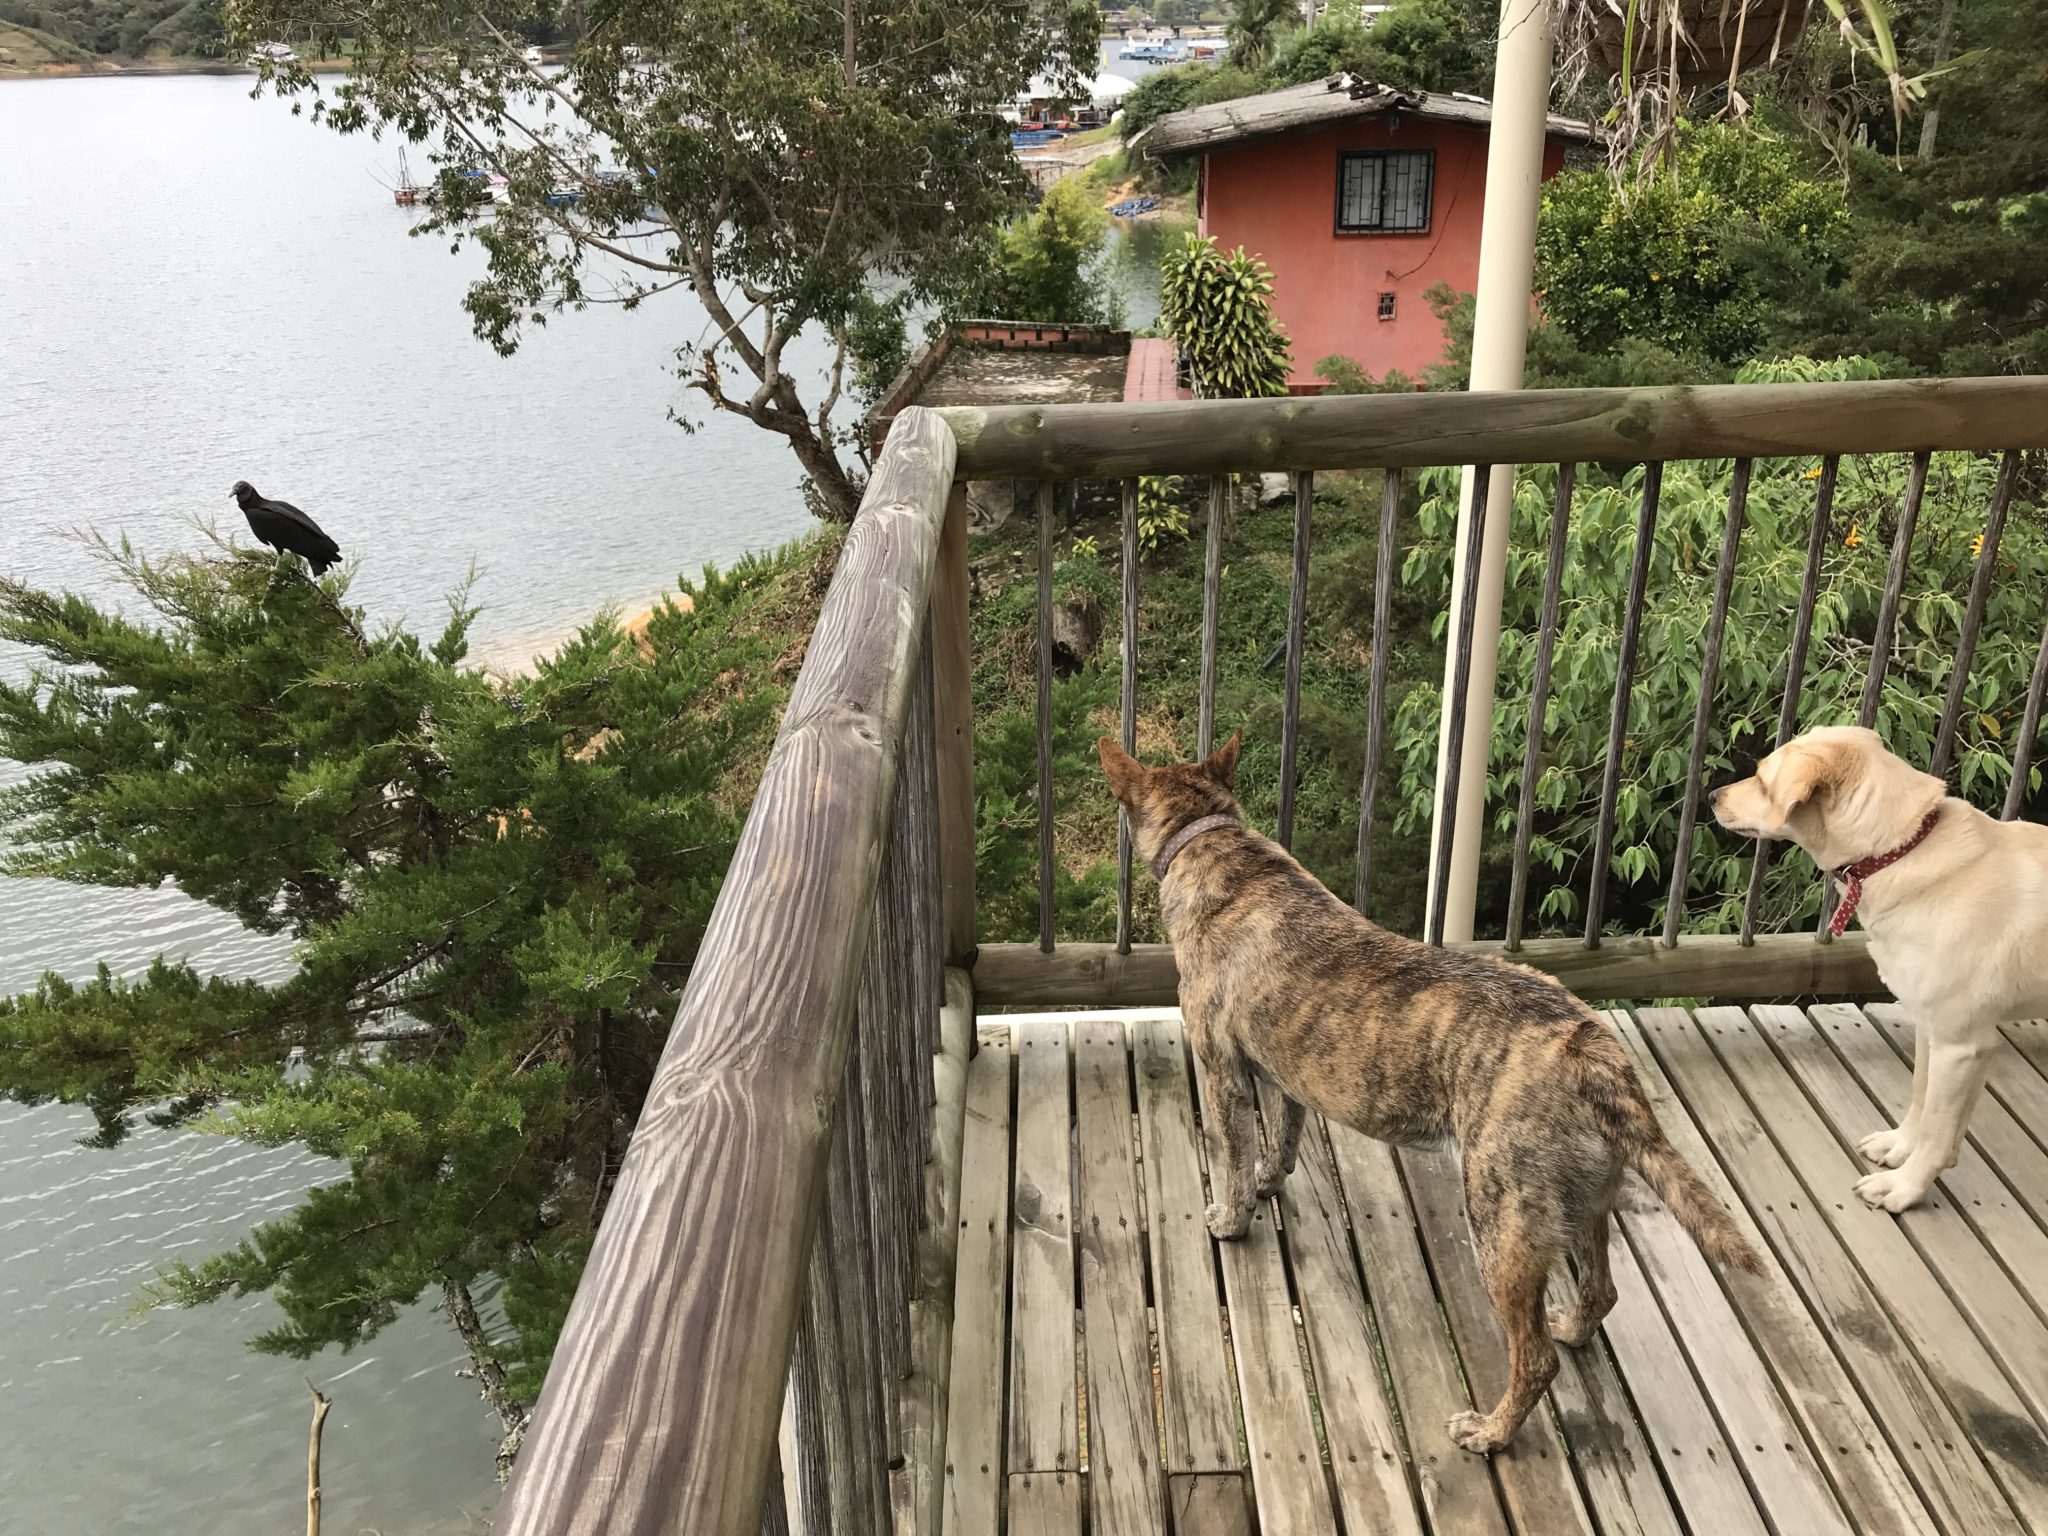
pixel 1692 513
pixel 1654 265
pixel 1162 513
pixel 129 28
pixel 1219 311
pixel 1342 376
pixel 1556 360
pixel 494 888
pixel 1255 28
pixel 779 159
pixel 1418 45
pixel 1182 86
pixel 1045 265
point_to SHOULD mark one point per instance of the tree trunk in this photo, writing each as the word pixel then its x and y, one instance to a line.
pixel 838 494
pixel 320 1406
pixel 1930 120
pixel 488 1374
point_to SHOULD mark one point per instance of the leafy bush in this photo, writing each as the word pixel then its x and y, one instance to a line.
pixel 1654 264
pixel 1692 512
pixel 1046 261
pixel 1162 513
pixel 1219 310
pixel 1342 376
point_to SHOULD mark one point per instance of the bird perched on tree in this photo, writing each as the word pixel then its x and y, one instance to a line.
pixel 283 526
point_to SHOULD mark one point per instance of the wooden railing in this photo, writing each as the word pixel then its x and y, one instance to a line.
pixel 1477 431
pixel 777 1249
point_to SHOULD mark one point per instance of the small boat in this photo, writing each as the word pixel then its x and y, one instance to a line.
pixel 408 193
pixel 272 53
pixel 1152 53
pixel 533 57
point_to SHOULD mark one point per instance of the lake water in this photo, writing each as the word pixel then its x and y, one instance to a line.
pixel 194 289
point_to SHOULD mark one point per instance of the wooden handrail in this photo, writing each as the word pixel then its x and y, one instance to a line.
pixel 662 1402
pixel 1547 426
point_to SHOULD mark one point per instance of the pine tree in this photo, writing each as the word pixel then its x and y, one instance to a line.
pixel 495 889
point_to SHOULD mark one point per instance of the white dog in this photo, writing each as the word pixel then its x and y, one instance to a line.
pixel 1956 905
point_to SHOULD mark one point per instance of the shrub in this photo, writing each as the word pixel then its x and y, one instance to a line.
pixel 1219 310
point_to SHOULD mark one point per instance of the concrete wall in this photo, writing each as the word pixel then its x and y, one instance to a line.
pixel 1278 199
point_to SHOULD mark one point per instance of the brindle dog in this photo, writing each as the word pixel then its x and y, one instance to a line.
pixel 1405 1043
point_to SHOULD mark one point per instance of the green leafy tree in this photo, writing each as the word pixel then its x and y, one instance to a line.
pixel 1422 45
pixel 1181 86
pixel 1655 759
pixel 776 159
pixel 1255 28
pixel 1656 264
pixel 495 889
pixel 1219 311
pixel 1047 260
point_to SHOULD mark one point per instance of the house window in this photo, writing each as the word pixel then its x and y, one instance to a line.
pixel 1386 306
pixel 1384 189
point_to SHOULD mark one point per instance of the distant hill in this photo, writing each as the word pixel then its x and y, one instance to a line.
pixel 44 33
pixel 27 51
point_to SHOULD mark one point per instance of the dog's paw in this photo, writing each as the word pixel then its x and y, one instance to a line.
pixel 1226 1222
pixel 1888 1149
pixel 1270 1175
pixel 1568 1328
pixel 1890 1191
pixel 1473 1433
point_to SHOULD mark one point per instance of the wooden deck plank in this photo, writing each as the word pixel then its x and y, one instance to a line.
pixel 2030 1038
pixel 1704 1470
pixel 1045 1504
pixel 1208 1504
pixel 1615 1464
pixel 1535 1475
pixel 1924 1433
pixel 1288 1482
pixel 1044 1422
pixel 1973 1188
pixel 1935 1290
pixel 1997 1131
pixel 1457 1487
pixel 974 1421
pixel 1730 1352
pixel 1366 1460
pixel 1199 1413
pixel 1126 1485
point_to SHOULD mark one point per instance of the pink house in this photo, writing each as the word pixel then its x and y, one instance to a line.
pixel 1360 198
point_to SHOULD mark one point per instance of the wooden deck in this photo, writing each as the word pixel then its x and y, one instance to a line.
pixel 1115 1371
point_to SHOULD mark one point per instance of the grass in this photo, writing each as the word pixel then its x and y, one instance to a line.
pixel 27 51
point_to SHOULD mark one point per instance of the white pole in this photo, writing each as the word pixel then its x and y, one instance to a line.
pixel 1500 336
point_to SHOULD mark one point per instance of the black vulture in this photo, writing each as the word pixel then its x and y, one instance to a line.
pixel 283 526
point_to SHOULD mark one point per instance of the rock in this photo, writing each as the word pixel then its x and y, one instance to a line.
pixel 1275 487
pixel 989 504
pixel 1076 633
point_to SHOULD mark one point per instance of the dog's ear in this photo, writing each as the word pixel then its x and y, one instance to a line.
pixel 1125 773
pixel 1798 774
pixel 1223 766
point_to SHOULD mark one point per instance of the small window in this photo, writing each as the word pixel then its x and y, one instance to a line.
pixel 1384 190
pixel 1386 306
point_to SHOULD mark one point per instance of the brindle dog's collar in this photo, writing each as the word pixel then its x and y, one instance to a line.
pixel 1186 835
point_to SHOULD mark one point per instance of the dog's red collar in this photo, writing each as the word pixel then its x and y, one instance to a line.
pixel 1186 835
pixel 1853 875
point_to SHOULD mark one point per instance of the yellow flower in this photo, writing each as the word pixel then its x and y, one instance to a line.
pixel 1855 539
pixel 1977 545
pixel 1812 474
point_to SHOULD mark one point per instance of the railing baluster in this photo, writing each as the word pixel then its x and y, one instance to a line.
pixel 860 1298
pixel 2030 723
pixel 1703 711
pixel 775 1510
pixel 1881 642
pixel 1894 585
pixel 1212 603
pixel 824 1396
pixel 918 810
pixel 1539 700
pixel 1461 677
pixel 1973 615
pixel 1045 854
pixel 1624 683
pixel 1795 668
pixel 1376 698
pixel 1297 613
pixel 1127 711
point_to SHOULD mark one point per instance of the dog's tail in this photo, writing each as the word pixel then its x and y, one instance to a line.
pixel 1697 1208
pixel 1617 1096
